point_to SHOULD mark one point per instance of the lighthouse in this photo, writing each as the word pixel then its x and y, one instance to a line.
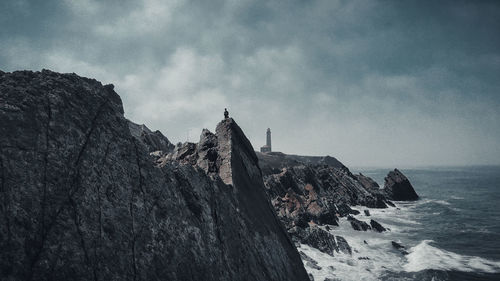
pixel 267 147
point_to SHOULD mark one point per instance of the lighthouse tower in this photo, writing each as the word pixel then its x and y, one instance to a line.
pixel 267 147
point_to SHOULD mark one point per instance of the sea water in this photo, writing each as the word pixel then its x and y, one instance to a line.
pixel 451 233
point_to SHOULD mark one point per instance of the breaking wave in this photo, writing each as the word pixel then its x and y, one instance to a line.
pixel 425 256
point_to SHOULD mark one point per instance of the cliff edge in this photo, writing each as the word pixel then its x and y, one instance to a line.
pixel 87 196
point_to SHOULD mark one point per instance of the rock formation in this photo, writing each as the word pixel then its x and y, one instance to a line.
pixel 311 191
pixel 357 224
pixel 397 187
pixel 83 199
pixel 155 142
pixel 377 226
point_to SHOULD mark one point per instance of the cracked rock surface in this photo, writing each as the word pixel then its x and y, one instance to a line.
pixel 82 198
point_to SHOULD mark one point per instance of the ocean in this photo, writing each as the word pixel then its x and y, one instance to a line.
pixel 451 233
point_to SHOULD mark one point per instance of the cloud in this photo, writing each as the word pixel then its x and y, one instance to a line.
pixel 373 83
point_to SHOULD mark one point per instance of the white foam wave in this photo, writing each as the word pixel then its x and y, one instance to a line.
pixel 394 218
pixel 372 255
pixel 425 256
pixel 442 202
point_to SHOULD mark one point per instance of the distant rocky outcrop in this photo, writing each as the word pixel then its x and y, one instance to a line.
pixel 397 187
pixel 307 192
pixel 83 199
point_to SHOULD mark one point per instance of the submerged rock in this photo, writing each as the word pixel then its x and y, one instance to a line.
pixel 357 224
pixel 397 187
pixel 85 201
pixel 399 247
pixel 377 226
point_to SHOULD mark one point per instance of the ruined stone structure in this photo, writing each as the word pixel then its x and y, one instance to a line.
pixel 267 147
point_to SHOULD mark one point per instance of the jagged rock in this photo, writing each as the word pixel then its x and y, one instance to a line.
pixel 321 240
pixel 343 245
pixel 345 210
pixel 334 184
pixel 308 191
pixel 399 247
pixel 154 141
pixel 367 182
pixel 377 226
pixel 357 224
pixel 85 201
pixel 305 189
pixel 318 238
pixel 310 262
pixel 398 187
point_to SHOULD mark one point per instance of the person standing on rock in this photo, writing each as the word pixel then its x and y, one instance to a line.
pixel 226 113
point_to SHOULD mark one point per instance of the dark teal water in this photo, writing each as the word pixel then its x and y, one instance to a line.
pixel 456 235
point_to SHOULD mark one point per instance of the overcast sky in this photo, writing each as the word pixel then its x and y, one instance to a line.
pixel 373 83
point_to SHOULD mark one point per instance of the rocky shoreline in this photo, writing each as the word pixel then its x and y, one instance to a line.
pixel 310 194
pixel 89 195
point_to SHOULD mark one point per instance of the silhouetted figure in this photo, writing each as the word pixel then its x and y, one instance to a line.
pixel 226 113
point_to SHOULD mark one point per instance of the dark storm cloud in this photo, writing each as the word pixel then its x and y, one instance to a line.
pixel 371 82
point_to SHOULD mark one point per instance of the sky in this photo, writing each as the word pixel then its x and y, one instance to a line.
pixel 373 83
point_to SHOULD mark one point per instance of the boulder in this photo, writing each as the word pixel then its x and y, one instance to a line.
pixel 397 187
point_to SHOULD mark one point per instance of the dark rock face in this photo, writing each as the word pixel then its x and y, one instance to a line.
pixel 357 224
pixel 84 200
pixel 399 247
pixel 322 240
pixel 154 141
pixel 315 193
pixel 343 245
pixel 367 182
pixel 377 226
pixel 307 191
pixel 397 187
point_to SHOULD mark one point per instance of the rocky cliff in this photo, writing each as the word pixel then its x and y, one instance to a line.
pixel 309 193
pixel 87 195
